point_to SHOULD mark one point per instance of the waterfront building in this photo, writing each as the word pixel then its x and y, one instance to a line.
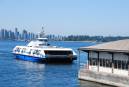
pixel 107 63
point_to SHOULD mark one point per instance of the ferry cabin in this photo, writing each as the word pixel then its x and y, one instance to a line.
pixel 110 57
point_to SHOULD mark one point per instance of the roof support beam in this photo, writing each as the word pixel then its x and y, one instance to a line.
pixel 128 63
pixel 127 54
pixel 98 62
pixel 79 59
pixel 112 62
pixel 88 60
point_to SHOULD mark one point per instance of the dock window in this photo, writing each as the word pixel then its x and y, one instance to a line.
pixel 105 62
pixel 93 61
pixel 119 64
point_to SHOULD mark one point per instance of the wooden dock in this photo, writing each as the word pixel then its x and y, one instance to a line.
pixel 104 78
pixel 107 63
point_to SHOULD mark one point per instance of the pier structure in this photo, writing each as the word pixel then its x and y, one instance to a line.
pixel 107 63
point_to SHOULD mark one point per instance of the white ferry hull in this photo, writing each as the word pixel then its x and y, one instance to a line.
pixel 28 58
pixel 47 59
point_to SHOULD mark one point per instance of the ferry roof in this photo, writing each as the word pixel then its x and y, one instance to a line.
pixel 41 38
pixel 113 46
pixel 48 48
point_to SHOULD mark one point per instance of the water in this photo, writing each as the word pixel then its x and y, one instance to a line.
pixel 18 73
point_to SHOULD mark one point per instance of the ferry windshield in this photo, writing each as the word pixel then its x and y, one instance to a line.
pixel 45 40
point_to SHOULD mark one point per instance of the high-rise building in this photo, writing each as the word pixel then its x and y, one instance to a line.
pixel 11 35
pixel 2 34
pixel 24 34
pixel 16 33
pixel 6 35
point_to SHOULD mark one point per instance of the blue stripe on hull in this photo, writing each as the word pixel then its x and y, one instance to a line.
pixel 28 58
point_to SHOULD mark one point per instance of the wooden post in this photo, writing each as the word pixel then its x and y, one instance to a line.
pixel 128 64
pixel 98 62
pixel 112 62
pixel 88 62
pixel 79 60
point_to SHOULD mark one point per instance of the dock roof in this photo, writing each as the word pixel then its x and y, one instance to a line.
pixel 113 46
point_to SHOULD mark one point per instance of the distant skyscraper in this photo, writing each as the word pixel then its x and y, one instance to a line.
pixel 2 33
pixel 6 35
pixel 24 35
pixel 16 33
pixel 11 35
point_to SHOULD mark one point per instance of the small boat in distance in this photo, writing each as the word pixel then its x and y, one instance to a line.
pixel 39 50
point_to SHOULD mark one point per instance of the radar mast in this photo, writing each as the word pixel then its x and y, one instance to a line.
pixel 42 33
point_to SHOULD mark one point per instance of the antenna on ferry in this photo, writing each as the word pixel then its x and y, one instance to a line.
pixel 42 33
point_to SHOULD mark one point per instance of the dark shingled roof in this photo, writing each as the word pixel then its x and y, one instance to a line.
pixel 114 46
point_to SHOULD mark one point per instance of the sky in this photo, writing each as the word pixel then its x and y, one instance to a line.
pixel 66 17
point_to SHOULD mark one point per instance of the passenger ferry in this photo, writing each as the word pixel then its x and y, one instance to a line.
pixel 39 50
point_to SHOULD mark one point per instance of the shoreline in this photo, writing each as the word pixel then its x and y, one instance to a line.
pixel 50 41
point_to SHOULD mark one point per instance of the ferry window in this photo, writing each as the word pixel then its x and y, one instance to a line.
pixel 17 50
pixel 58 52
pixel 34 52
pixel 45 40
pixel 41 44
pixel 23 50
pixel 30 51
pixel 37 52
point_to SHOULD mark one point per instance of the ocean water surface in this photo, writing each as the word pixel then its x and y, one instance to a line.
pixel 19 73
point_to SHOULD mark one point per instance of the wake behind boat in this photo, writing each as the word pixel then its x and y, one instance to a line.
pixel 39 50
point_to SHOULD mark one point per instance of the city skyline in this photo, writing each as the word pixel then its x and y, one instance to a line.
pixel 25 35
pixel 67 17
pixel 28 36
pixel 16 35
